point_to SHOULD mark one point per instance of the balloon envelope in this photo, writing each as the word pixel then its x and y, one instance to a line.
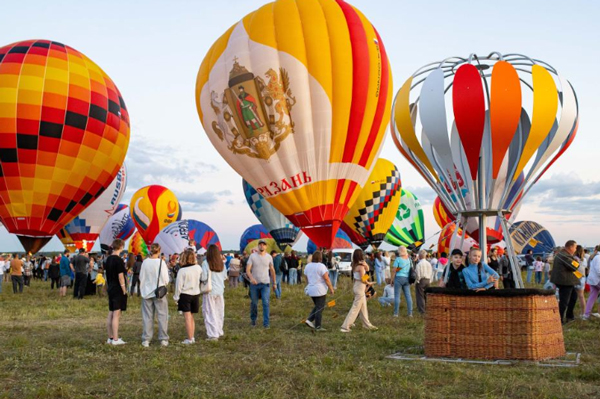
pixel 447 244
pixel 152 209
pixel 137 245
pixel 341 241
pixel 85 228
pixel 373 212
pixel 408 228
pixel 528 235
pixel 295 97
pixel 65 133
pixel 119 225
pixel 280 228
pixel 178 236
pixel 252 235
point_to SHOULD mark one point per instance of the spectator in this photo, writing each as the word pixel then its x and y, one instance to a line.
pixel 234 271
pixel 379 268
pixel 529 262
pixel 213 302
pixel 538 268
pixel 580 288
pixel 117 292
pixel 317 277
pixel 135 279
pixel 593 280
pixel 187 292
pixel 402 266
pixel 16 274
pixel 260 265
pixel 563 276
pixel 292 263
pixel 387 299
pixel 424 273
pixel 453 277
pixel 80 265
pixel 361 283
pixel 154 274
pixel 333 266
pixel 27 270
pixel 478 275
pixel 278 262
pixel 54 273
pixel 65 273
pixel 505 272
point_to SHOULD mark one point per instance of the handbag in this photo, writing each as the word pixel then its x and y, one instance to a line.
pixel 161 291
pixel 206 286
pixel 412 274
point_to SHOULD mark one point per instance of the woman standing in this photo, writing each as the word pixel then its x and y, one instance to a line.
pixel 359 305
pixel 27 270
pixel 318 283
pixel 401 270
pixel 332 267
pixel 154 274
pixel 493 260
pixel 593 281
pixel 135 279
pixel 580 288
pixel 187 292
pixel 234 271
pixel 117 292
pixel 379 268
pixel 213 303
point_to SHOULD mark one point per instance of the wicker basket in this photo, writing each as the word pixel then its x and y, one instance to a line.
pixel 498 324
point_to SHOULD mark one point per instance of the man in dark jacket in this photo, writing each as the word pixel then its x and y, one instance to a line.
pixel 80 265
pixel 565 280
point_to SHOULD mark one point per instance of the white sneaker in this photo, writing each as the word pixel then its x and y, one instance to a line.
pixel 145 344
pixel 596 315
pixel 585 318
pixel 188 341
pixel 109 341
pixel 344 330
pixel 310 324
pixel 164 343
pixel 118 342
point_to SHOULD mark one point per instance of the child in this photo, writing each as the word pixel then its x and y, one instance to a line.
pixel 538 266
pixel 99 281
pixel 388 294
pixel 479 276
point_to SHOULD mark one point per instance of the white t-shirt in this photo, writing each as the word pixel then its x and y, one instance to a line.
pixel 188 281
pixel 260 267
pixel 314 273
pixel 2 263
pixel 149 277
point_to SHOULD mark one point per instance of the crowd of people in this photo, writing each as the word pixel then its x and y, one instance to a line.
pixel 198 281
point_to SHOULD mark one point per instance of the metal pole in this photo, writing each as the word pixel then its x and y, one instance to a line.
pixel 456 227
pixel 512 257
pixel 483 237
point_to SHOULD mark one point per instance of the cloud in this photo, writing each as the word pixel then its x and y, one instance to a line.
pixel 201 201
pixel 425 194
pixel 157 163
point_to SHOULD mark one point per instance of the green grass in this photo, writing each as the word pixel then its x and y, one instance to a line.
pixel 54 348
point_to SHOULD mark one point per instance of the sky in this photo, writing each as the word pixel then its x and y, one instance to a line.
pixel 152 50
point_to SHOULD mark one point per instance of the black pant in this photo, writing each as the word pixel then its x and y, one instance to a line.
pixel 17 281
pixel 26 280
pixel 317 312
pixel 80 284
pixel 55 280
pixel 135 282
pixel 506 283
pixel 567 297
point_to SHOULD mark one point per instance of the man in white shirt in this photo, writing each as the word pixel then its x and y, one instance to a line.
pixel 424 273
pixel 433 262
pixel 259 266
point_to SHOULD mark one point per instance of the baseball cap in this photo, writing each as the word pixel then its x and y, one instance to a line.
pixel 262 242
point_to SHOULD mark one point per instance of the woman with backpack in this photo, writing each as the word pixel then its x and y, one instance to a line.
pixel 401 272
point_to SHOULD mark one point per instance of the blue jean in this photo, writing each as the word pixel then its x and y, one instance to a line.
pixel 333 277
pixel 529 274
pixel 546 277
pixel 385 301
pixel 380 274
pixel 401 283
pixel 293 276
pixel 265 292
pixel 278 278
pixel 538 277
pixel 45 274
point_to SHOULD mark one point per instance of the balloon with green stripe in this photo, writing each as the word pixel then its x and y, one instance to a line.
pixel 408 228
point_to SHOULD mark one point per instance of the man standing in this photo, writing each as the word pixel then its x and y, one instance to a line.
pixel 16 274
pixel 529 261
pixel 564 278
pixel 65 273
pixel 279 266
pixel 505 270
pixel 424 273
pixel 260 265
pixel 80 266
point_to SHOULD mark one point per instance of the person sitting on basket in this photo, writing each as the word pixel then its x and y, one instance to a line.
pixel 454 277
pixel 479 276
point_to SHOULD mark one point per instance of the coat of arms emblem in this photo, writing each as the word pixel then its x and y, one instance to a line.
pixel 253 116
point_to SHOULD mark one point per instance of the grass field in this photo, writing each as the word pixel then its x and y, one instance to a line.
pixel 55 348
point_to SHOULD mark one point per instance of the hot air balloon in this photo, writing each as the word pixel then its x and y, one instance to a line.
pixel 66 240
pixel 178 236
pixel 341 241
pixel 137 245
pixel 119 225
pixel 408 228
pixel 441 214
pixel 65 133
pixel 86 227
pixel 528 235
pixel 252 235
pixel 152 209
pixel 280 228
pixel 295 97
pixel 373 212
pixel 509 115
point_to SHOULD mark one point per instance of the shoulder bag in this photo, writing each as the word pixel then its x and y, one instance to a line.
pixel 160 291
pixel 206 286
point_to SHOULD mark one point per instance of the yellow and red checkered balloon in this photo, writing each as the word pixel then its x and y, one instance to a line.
pixel 64 133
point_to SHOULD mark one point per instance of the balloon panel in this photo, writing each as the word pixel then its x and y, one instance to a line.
pixel 152 209
pixel 65 133
pixel 373 213
pixel 408 228
pixel 137 245
pixel 280 87
pixel 447 244
pixel 441 214
pixel 252 235
pixel 178 236
pixel 341 241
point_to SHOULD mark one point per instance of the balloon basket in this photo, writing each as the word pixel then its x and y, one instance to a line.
pixel 516 324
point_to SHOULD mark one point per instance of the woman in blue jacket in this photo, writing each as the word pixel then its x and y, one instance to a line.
pixel 479 276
